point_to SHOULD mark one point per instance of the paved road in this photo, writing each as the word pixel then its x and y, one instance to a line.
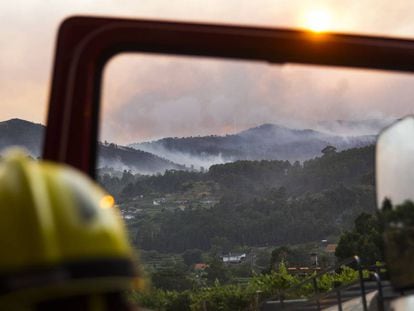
pixel 354 304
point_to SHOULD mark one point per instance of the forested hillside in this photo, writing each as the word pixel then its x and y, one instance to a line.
pixel 253 203
pixel 231 205
pixel 120 158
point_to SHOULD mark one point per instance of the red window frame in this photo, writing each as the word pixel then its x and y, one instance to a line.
pixel 85 44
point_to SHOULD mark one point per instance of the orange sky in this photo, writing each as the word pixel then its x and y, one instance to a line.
pixel 28 27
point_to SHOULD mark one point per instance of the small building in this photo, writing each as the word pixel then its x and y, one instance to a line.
pixel 200 266
pixel 233 258
pixel 330 248
pixel 158 201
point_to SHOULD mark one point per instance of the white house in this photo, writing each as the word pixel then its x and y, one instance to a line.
pixel 234 258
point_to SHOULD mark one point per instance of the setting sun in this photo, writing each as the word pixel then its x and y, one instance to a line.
pixel 317 20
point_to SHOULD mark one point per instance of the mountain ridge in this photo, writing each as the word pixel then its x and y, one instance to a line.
pixel 29 135
pixel 264 142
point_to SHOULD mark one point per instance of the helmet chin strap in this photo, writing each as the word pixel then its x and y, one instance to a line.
pixel 98 270
pixel 99 301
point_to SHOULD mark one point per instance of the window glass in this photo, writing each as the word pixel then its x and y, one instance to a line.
pixel 225 169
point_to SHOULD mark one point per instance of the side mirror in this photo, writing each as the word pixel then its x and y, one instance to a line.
pixel 395 199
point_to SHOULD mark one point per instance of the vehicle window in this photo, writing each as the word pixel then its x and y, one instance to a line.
pixel 224 170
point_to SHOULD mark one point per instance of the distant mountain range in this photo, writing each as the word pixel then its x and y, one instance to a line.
pixel 267 142
pixel 264 142
pixel 17 132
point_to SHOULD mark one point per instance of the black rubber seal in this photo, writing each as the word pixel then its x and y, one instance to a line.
pixel 58 275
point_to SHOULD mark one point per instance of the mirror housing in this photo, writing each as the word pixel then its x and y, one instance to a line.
pixel 395 199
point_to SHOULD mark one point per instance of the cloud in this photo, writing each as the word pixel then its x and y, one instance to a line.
pixel 28 29
pixel 172 96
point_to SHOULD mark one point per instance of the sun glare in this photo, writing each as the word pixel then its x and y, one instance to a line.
pixel 318 20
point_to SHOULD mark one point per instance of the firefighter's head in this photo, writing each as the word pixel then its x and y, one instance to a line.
pixel 61 239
